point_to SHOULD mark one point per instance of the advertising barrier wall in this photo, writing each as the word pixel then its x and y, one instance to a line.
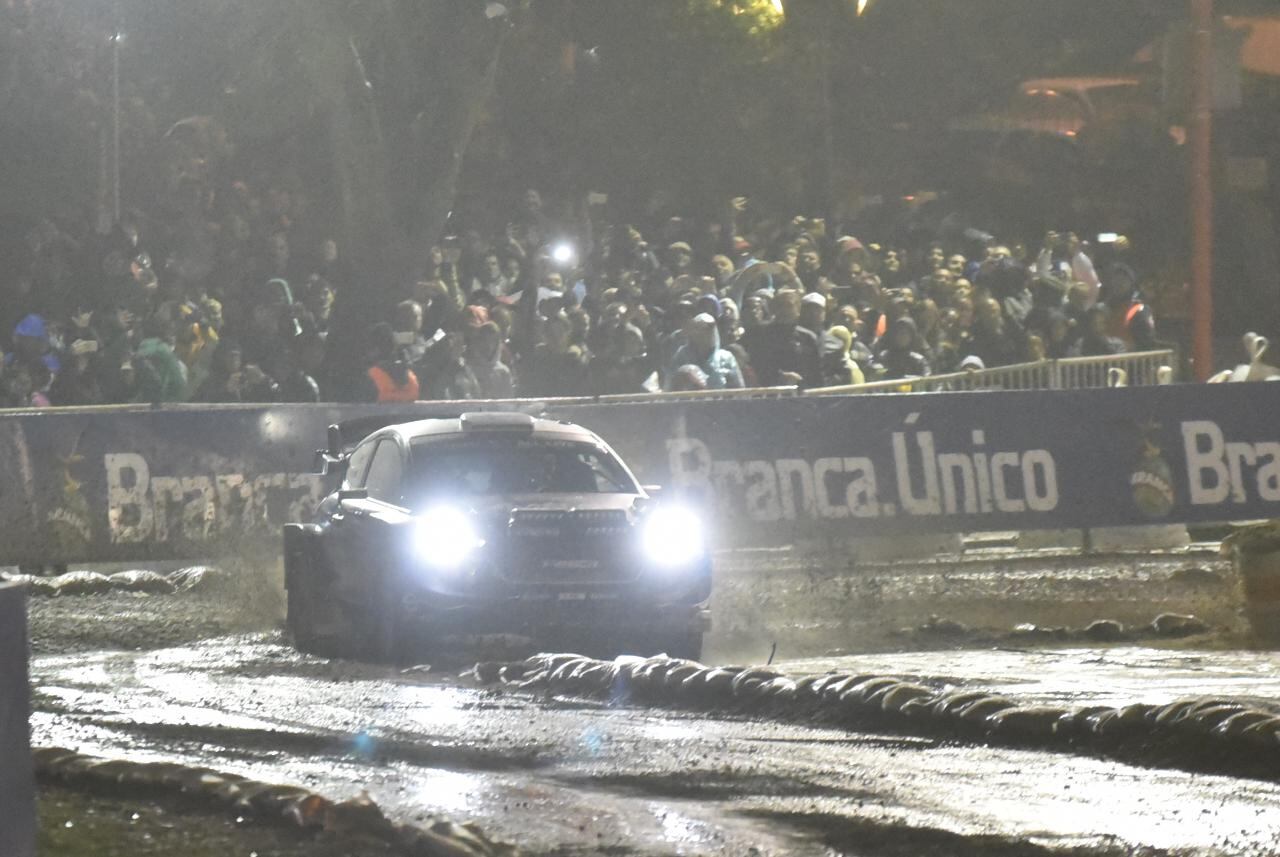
pixel 128 484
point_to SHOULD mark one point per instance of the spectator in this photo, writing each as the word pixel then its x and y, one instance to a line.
pixel 813 314
pixel 838 366
pixel 483 360
pixel 411 345
pixel 988 341
pixel 626 368
pixel 783 352
pixel 79 382
pixel 492 280
pixel 388 378
pixel 719 368
pixel 452 379
pixel 1132 320
pixel 556 366
pixel 318 302
pixel 24 385
pixel 1007 282
pixel 295 374
pixel 1095 340
pixel 1056 335
pixel 680 264
pixel 724 272
pixel 899 357
pixel 195 343
pixel 162 377
pixel 225 382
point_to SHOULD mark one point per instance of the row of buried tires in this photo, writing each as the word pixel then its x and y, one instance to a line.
pixel 1202 733
pixel 301 808
pixel 137 580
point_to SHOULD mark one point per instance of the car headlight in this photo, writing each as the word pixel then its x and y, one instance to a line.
pixel 445 537
pixel 672 536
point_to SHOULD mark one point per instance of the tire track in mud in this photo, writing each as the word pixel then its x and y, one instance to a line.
pixel 387 748
pixel 602 774
pixel 295 806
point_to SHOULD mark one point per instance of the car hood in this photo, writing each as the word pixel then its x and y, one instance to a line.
pixel 555 502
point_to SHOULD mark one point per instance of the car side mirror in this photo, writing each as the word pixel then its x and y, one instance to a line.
pixel 353 494
pixel 652 490
pixel 331 461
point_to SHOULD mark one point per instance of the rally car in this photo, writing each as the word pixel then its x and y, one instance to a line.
pixel 492 524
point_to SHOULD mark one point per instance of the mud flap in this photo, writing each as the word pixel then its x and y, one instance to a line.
pixel 313 619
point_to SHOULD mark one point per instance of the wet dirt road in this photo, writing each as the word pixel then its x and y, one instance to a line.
pixel 567 777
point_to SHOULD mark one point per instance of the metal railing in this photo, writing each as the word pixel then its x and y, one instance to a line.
pixel 1142 368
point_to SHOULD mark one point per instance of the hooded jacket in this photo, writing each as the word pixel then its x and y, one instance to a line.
pixel 897 361
pixel 161 375
pixel 720 366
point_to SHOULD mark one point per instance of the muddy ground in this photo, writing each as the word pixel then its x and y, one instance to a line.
pixel 804 602
pixel 207 677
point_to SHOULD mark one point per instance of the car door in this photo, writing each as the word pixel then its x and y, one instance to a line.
pixel 373 525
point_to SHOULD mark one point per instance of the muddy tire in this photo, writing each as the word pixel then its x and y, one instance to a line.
pixel 383 638
pixel 687 645
pixel 300 622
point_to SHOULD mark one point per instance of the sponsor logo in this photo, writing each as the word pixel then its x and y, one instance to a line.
pixel 1152 479
pixel 1224 471
pixel 146 507
pixel 925 480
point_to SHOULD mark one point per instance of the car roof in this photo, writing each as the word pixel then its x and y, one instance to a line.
pixel 1076 84
pixel 489 424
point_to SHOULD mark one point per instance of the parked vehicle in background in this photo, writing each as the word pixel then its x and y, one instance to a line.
pixel 1064 106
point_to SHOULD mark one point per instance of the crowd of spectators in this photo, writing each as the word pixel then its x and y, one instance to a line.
pixel 544 308
pixel 222 285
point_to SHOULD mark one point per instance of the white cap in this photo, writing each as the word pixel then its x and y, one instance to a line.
pixel 814 298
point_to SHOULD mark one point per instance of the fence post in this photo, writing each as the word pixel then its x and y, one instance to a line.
pixel 17 783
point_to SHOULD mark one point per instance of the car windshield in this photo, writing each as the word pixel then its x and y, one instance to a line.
pixel 495 466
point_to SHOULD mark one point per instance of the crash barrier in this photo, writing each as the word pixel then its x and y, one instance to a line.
pixel 140 581
pixel 191 481
pixel 358 819
pixel 17 788
pixel 1142 368
pixel 1198 734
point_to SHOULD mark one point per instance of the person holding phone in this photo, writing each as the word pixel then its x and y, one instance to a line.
pixel 79 382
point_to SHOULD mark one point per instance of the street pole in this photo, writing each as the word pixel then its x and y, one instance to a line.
pixel 1201 188
pixel 115 112
pixel 828 197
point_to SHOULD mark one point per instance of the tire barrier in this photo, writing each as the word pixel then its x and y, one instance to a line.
pixel 1207 734
pixel 197 577
pixel 1168 626
pixel 286 805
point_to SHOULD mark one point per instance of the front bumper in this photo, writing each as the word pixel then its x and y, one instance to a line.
pixel 535 613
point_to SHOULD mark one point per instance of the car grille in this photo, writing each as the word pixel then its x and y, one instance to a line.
pixel 568 546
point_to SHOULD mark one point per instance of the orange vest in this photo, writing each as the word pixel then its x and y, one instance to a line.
pixel 389 391
pixel 1121 326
